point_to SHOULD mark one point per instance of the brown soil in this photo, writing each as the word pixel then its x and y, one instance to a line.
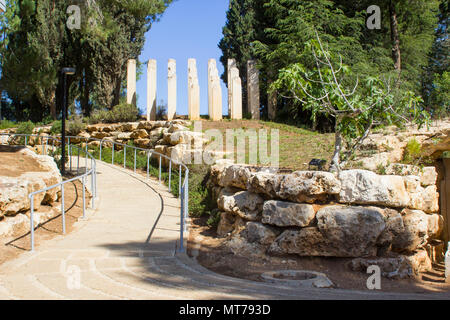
pixel 73 202
pixel 13 163
pixel 214 255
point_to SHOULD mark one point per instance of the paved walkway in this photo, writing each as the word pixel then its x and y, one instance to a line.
pixel 126 250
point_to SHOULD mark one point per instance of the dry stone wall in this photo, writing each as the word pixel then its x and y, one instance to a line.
pixel 356 214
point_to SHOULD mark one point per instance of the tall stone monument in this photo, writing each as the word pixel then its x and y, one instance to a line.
pixel 230 66
pixel 193 91
pixel 172 89
pixel 131 82
pixel 235 94
pixel 214 92
pixel 253 90
pixel 211 67
pixel 151 90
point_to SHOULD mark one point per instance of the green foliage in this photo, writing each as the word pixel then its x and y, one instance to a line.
pixel 214 218
pixel 441 95
pixel 25 127
pixel 56 127
pixel 73 127
pixel 412 153
pixel 323 90
pixel 112 32
pixel 6 124
pixel 276 33
pixel 120 113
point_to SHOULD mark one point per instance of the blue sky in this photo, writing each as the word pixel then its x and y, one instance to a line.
pixel 187 29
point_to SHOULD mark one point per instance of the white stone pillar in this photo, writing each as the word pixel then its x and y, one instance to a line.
pixel 216 93
pixel 253 104
pixel 211 70
pixel 230 66
pixel 193 91
pixel 172 89
pixel 235 94
pixel 131 82
pixel 151 90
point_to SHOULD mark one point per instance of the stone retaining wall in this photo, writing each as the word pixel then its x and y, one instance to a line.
pixel 356 214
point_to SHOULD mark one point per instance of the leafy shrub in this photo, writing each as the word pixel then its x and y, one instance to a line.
pixel 412 152
pixel 25 128
pixel 6 124
pixel 124 113
pixel 121 113
pixel 75 126
pixel 161 111
pixel 214 218
pixel 56 127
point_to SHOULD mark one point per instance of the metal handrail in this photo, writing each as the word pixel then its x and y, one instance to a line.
pixel 183 183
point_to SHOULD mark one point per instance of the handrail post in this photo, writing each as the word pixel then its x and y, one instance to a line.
pixel 135 150
pixel 182 223
pixel 84 196
pixel 180 174
pixel 70 154
pixel 112 160
pixel 148 165
pixel 160 168
pixel 170 173
pixel 63 213
pixel 32 222
pixel 124 156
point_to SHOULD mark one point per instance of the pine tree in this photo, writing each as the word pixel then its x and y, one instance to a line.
pixel 238 35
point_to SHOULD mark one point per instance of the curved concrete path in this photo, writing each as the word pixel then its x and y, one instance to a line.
pixel 126 250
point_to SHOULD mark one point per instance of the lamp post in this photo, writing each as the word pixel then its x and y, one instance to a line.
pixel 64 72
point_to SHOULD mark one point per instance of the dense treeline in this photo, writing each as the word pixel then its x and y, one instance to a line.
pixel 411 50
pixel 37 42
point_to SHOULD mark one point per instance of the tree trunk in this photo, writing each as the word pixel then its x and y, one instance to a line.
pixel 395 40
pixel 335 165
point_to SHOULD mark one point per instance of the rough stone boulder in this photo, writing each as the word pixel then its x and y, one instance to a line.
pixel 124 136
pixel 299 186
pixel 146 125
pixel 228 223
pixel 177 127
pixel 233 176
pixel 129 126
pixel 187 137
pixel 308 186
pixel 99 135
pixel 415 233
pixel 14 194
pixel 139 134
pixel 341 232
pixel 425 199
pixel 287 214
pixel 366 187
pixel 243 203
pixel 399 267
pixel 260 233
pixel 427 175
